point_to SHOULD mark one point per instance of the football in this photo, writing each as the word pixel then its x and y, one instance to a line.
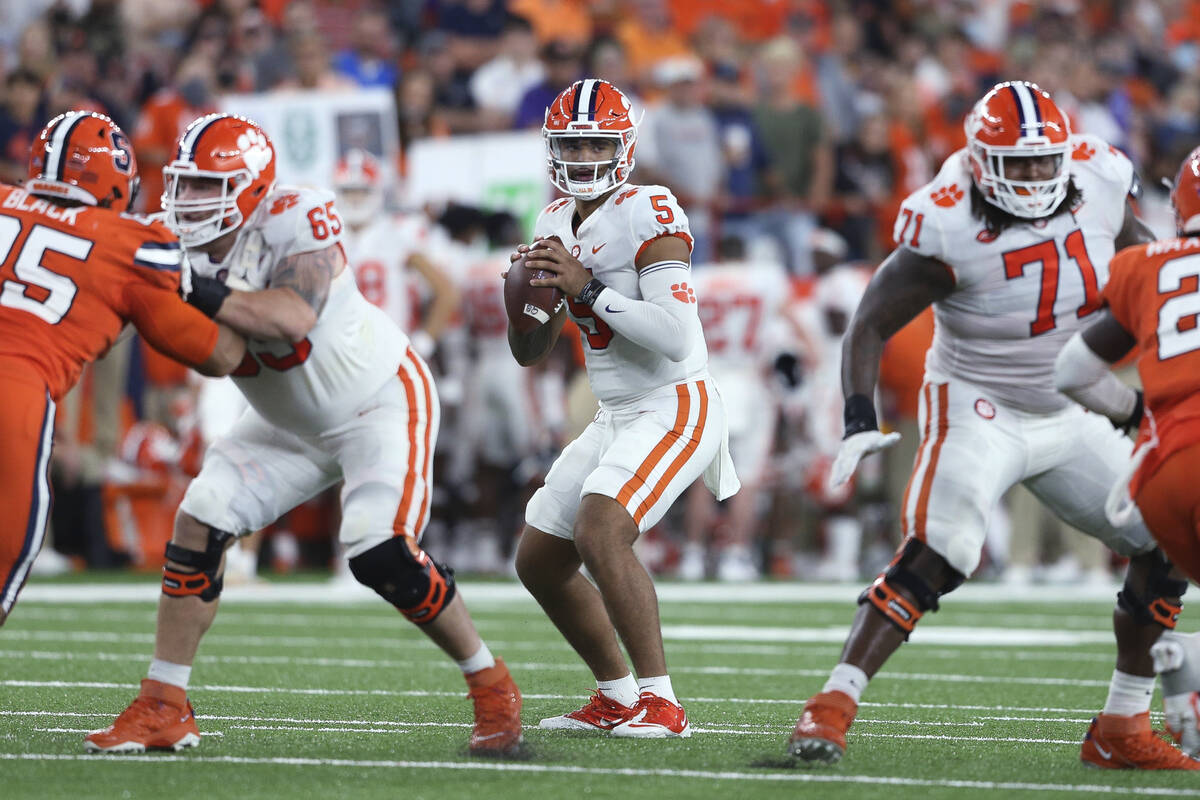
pixel 528 306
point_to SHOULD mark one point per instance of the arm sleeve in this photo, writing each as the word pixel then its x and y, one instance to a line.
pixel 666 321
pixel 1085 377
pixel 169 324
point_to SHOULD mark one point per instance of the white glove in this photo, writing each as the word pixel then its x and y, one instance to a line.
pixel 1181 720
pixel 853 449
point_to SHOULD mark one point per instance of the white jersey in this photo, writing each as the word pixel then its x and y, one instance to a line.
pixel 1018 296
pixel 740 304
pixel 483 310
pixel 608 243
pixel 317 383
pixel 379 255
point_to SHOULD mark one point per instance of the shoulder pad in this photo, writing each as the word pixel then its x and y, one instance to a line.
pixel 1092 155
pixel 654 212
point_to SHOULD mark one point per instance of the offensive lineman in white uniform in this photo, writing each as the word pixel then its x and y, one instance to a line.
pixel 622 262
pixel 335 393
pixel 1010 243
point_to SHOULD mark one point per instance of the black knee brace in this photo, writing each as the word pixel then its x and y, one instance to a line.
pixel 412 582
pixel 202 577
pixel 897 608
pixel 1158 603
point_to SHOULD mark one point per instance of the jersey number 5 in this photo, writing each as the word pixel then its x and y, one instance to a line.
pixel 1046 253
pixel 53 294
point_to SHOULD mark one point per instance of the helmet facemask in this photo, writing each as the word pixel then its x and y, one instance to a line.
pixel 200 216
pixel 602 176
pixel 1021 198
pixel 358 203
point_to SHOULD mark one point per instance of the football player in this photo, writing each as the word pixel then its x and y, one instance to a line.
pixel 741 306
pixel 1010 243
pixel 336 393
pixel 621 258
pixel 382 248
pixel 74 269
pixel 1150 305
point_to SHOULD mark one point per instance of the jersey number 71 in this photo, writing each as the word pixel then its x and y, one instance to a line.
pixel 1046 253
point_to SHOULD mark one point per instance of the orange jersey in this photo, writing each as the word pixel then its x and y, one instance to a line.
pixel 70 278
pixel 1153 291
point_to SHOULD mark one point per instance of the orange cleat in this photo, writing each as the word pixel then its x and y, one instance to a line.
pixel 820 733
pixel 601 714
pixel 497 710
pixel 159 718
pixel 655 718
pixel 1115 742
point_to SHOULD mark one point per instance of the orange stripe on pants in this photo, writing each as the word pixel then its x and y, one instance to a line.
pixel 427 497
pixel 927 484
pixel 916 465
pixel 410 478
pixel 634 484
pixel 680 459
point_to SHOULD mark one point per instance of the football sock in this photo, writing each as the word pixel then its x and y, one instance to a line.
pixel 166 672
pixel 482 659
pixel 1128 694
pixel 660 686
pixel 623 690
pixel 847 679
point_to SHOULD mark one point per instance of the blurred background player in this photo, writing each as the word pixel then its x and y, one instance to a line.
pixel 1012 260
pixel 740 305
pixel 74 269
pixel 336 393
pixel 661 422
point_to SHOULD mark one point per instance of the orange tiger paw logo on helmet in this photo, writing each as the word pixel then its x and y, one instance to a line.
pixel 1082 152
pixel 947 196
pixel 683 293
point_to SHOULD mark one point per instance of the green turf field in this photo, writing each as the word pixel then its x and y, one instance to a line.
pixel 309 691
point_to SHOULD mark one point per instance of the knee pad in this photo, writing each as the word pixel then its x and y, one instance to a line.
pixel 883 594
pixel 202 577
pixel 1158 603
pixel 413 582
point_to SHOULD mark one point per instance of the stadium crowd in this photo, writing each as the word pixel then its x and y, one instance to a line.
pixel 790 131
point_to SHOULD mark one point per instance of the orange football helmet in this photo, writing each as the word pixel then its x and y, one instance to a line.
pixel 358 181
pixel 232 153
pixel 1185 195
pixel 86 157
pixel 590 108
pixel 1016 119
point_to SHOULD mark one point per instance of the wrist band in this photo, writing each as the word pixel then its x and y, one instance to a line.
pixel 207 295
pixel 590 291
pixel 859 415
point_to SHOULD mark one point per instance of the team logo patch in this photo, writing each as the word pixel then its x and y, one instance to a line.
pixel 683 293
pixel 986 237
pixel 947 196
pixel 985 409
pixel 1082 152
pixel 576 250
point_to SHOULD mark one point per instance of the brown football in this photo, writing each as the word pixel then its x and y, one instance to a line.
pixel 528 306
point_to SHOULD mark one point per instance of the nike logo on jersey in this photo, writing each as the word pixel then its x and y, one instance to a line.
pixel 597 249
pixel 612 310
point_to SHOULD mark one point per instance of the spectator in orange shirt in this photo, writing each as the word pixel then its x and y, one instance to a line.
pixel 163 119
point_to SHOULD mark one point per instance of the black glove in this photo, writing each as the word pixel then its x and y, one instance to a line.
pixel 207 294
pixel 787 369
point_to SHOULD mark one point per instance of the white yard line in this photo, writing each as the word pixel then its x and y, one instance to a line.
pixel 700 775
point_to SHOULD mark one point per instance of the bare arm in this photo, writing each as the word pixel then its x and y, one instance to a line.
pixel 1133 230
pixel 905 284
pixel 226 355
pixel 289 308
pixel 445 296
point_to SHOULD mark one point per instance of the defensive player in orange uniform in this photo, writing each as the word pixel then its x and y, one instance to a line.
pixel 1151 299
pixel 74 269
